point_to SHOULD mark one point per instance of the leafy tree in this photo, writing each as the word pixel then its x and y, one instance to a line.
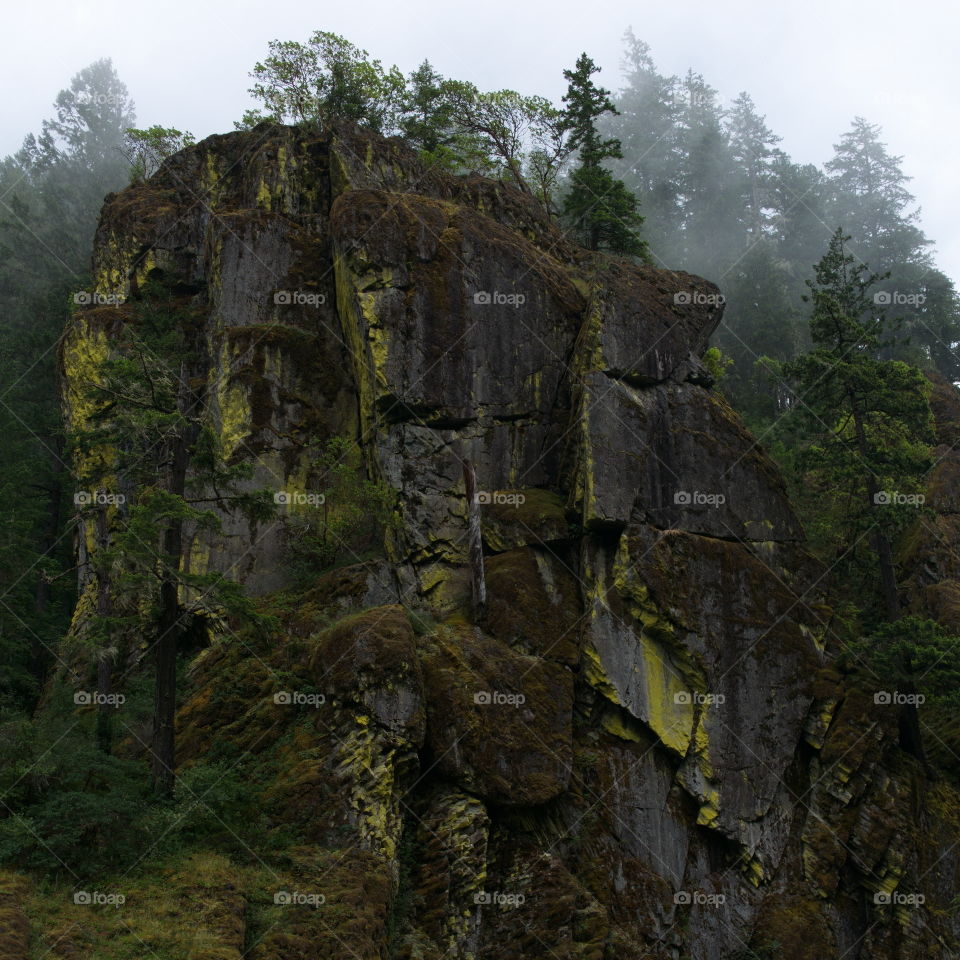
pixel 600 208
pixel 717 363
pixel 146 149
pixel 324 80
pixel 501 123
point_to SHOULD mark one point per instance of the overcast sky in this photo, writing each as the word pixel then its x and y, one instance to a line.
pixel 810 67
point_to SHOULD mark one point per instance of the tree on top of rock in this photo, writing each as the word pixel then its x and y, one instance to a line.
pixel 325 79
pixel 601 211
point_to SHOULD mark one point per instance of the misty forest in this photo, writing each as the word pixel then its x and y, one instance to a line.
pixel 448 523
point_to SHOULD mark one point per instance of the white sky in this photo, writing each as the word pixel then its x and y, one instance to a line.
pixel 810 67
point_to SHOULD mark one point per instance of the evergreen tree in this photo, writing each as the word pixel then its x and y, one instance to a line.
pixel 147 439
pixel 869 196
pixel 647 125
pixel 711 211
pixel 868 420
pixel 428 121
pixel 50 196
pixel 753 148
pixel 603 212
pixel 761 330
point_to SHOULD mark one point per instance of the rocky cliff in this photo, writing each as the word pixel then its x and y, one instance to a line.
pixel 641 748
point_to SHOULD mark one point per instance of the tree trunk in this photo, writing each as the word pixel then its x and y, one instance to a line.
pixel 105 655
pixel 39 654
pixel 888 577
pixel 170 623
pixel 475 543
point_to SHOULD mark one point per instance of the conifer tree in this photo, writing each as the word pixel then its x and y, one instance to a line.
pixel 868 419
pixel 602 211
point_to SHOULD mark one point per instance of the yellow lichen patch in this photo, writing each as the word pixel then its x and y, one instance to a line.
pixel 818 723
pixel 211 173
pixel 616 724
pixel 143 267
pixel 754 872
pixel 709 808
pixel 233 404
pixel 351 320
pixel 668 701
pixel 264 197
pixel 114 260
pixel 376 336
pixel 368 761
pixel 85 351
pixel 595 675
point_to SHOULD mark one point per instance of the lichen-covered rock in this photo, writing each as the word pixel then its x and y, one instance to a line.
pixel 498 723
pixel 643 746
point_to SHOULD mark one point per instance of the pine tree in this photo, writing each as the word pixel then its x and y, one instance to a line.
pixel 753 148
pixel 50 196
pixel 870 197
pixel 869 422
pixel 647 125
pixel 711 212
pixel 603 212
pixel 428 118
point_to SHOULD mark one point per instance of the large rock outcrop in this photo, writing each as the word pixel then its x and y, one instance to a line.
pixel 642 749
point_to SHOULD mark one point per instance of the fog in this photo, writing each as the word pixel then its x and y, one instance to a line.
pixel 810 67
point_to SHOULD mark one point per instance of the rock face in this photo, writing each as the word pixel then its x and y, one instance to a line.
pixel 641 749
